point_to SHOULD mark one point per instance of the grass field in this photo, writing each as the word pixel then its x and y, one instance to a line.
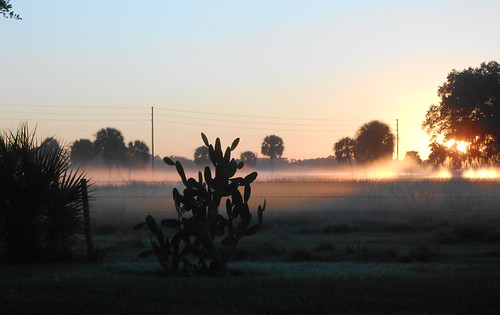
pixel 326 247
pixel 305 288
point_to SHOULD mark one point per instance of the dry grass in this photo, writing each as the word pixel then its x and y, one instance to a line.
pixel 384 221
pixel 415 203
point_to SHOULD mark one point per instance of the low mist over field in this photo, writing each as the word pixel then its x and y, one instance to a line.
pixel 394 170
pixel 391 193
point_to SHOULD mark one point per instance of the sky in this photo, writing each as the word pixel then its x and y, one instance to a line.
pixel 310 72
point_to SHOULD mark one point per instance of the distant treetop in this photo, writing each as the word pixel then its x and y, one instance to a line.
pixel 374 141
pixel 273 147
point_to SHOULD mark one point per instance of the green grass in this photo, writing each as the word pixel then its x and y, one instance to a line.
pixel 261 288
pixel 290 270
pixel 320 260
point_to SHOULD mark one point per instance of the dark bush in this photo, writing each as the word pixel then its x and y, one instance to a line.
pixel 40 200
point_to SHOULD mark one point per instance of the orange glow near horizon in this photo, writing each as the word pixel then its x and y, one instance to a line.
pixel 392 170
pixel 483 173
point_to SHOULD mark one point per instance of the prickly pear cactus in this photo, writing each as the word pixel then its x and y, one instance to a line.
pixel 195 247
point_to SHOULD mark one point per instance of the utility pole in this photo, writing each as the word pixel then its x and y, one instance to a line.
pixel 397 139
pixel 152 143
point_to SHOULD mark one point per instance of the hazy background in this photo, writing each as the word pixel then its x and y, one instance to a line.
pixel 311 72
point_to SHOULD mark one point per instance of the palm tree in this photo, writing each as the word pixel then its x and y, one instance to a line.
pixel 273 147
pixel 344 150
pixel 40 200
pixel 374 141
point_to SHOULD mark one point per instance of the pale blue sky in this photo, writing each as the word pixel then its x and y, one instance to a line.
pixel 309 71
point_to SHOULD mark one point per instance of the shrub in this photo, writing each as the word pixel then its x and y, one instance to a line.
pixel 197 233
pixel 40 200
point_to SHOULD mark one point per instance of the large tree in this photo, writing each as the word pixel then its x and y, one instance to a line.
pixel 249 158
pixel 469 111
pixel 6 10
pixel 273 147
pixel 109 143
pixel 51 145
pixel 82 152
pixel 201 156
pixel 138 153
pixel 344 150
pixel 374 141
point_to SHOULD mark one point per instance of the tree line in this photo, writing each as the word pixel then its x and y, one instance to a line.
pixel 374 141
pixel 272 147
pixel 109 149
pixel 464 129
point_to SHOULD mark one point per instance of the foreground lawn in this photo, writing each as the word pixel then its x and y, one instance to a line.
pixel 255 288
pixel 322 259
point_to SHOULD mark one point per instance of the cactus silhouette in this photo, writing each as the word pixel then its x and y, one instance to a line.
pixel 199 222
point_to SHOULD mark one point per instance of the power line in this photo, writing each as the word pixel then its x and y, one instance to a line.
pixel 291 124
pixel 184 111
pixel 59 113
pixel 63 120
pixel 251 122
pixel 71 106
pixel 249 128
pixel 152 142
pixel 258 116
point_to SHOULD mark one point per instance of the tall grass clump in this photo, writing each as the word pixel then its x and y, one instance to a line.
pixel 195 249
pixel 40 200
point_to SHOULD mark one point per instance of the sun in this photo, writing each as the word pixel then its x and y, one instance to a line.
pixel 460 146
pixel 449 143
pixel 463 146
